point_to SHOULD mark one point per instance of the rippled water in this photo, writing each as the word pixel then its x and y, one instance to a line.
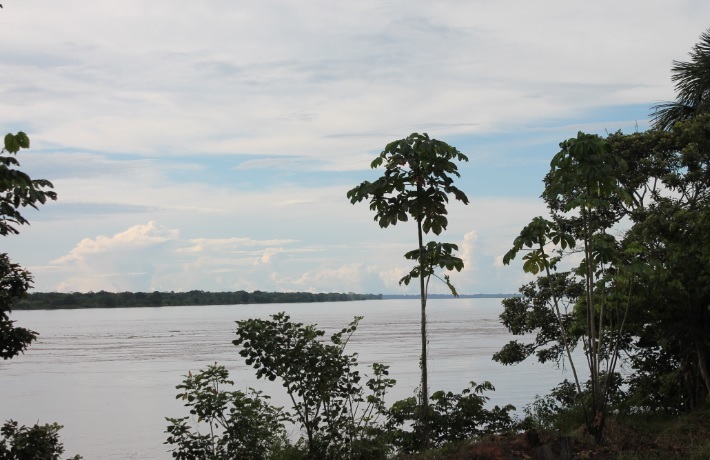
pixel 109 375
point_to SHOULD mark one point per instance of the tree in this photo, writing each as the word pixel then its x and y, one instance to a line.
pixel 670 226
pixel 647 282
pixel 17 190
pixel 416 183
pixel 41 442
pixel 328 400
pixel 239 425
pixel 453 418
pixel 14 283
pixel 692 84
pixel 586 199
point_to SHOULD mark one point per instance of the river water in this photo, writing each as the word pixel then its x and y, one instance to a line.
pixel 109 375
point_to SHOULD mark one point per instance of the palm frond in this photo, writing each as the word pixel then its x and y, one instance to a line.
pixel 692 85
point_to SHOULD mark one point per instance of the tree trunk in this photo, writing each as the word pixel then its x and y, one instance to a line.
pixel 424 393
pixel 703 365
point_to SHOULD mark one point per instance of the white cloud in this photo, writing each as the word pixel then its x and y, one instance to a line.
pixel 242 137
pixel 135 238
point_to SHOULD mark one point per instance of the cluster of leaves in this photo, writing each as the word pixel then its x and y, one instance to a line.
pixel 14 283
pixel 416 183
pixel 238 424
pixel 320 379
pixel 17 189
pixel 452 417
pixel 39 442
pixel 418 179
pixel 560 408
pixel 692 82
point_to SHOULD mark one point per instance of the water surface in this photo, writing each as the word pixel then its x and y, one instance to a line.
pixel 109 375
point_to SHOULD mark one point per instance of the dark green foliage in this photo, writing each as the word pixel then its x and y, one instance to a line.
pixel 559 410
pixel 535 313
pixel 692 85
pixel 40 442
pixel 670 305
pixel 453 417
pixel 103 299
pixel 339 416
pixel 641 289
pixel 235 424
pixel 17 189
pixel 14 283
pixel 416 183
pixel 589 304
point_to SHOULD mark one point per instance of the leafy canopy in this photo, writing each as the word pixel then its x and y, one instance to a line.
pixel 416 183
pixel 17 189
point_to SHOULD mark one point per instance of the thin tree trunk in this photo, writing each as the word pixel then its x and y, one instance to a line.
pixel 565 341
pixel 703 365
pixel 424 393
pixel 596 428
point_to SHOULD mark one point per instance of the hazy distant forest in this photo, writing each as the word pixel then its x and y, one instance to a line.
pixel 621 272
pixel 103 299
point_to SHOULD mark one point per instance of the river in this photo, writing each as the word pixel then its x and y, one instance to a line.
pixel 109 375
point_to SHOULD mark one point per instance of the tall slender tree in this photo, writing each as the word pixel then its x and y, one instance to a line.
pixel 417 182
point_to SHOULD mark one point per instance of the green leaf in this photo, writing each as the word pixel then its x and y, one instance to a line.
pixel 11 143
pixel 22 140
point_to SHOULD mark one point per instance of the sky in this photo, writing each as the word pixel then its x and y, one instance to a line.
pixel 210 144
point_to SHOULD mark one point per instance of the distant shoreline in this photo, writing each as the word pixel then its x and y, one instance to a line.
pixel 449 296
pixel 104 299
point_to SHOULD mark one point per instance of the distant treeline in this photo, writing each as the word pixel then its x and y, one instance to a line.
pixel 103 299
pixel 449 296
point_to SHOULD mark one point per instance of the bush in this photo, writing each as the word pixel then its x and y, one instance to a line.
pixel 40 442
pixel 236 424
pixel 452 417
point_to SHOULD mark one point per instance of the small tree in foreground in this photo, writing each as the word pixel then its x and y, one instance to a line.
pixel 236 424
pixel 452 418
pixel 417 183
pixel 340 418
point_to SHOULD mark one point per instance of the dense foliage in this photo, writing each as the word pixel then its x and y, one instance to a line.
pixel 623 264
pixel 39 442
pixel 238 424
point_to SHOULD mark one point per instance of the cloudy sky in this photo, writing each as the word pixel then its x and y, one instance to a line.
pixel 210 144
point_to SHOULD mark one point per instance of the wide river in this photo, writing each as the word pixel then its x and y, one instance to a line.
pixel 109 375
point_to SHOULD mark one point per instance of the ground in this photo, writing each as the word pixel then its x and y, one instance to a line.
pixel 685 437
